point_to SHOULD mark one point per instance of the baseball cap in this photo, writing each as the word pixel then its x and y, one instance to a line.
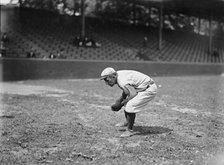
pixel 106 72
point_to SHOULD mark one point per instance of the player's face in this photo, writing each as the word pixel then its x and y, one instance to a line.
pixel 111 81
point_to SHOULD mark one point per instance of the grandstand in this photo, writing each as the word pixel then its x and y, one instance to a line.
pixel 47 32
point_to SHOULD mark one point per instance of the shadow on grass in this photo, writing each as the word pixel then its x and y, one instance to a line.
pixel 145 130
pixel 7 116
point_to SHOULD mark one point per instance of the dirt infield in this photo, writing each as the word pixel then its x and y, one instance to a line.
pixel 70 122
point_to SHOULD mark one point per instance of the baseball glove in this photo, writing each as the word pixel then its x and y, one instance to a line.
pixel 116 107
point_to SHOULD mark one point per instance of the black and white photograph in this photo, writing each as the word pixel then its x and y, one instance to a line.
pixel 112 82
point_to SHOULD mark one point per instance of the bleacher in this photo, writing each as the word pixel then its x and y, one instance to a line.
pixel 46 33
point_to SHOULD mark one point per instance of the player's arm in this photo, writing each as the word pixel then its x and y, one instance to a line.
pixel 123 96
pixel 130 91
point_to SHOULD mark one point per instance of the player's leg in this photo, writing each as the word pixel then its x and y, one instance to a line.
pixel 124 124
pixel 142 99
pixel 134 106
pixel 131 120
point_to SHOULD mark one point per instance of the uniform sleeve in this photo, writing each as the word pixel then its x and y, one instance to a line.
pixel 129 81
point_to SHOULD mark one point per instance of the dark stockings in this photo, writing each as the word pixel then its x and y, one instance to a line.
pixel 130 117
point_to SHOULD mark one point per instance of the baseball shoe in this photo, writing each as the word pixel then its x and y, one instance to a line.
pixel 128 133
pixel 125 124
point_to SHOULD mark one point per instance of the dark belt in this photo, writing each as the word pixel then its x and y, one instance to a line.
pixel 150 83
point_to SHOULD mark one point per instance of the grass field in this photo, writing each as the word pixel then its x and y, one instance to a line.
pixel 65 122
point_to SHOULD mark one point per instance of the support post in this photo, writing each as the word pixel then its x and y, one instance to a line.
pixel 83 18
pixel 199 25
pixel 134 13
pixel 210 35
pixel 160 26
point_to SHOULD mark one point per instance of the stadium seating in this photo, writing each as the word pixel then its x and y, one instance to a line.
pixel 48 33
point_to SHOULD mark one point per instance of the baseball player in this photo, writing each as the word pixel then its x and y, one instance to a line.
pixel 138 89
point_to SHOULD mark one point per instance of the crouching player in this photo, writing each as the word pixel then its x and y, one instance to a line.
pixel 138 89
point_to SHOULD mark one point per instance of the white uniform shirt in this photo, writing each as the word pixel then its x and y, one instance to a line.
pixel 136 79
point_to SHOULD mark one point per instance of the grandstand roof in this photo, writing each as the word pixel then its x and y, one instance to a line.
pixel 199 8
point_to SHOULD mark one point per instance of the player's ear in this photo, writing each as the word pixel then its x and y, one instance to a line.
pixel 115 76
